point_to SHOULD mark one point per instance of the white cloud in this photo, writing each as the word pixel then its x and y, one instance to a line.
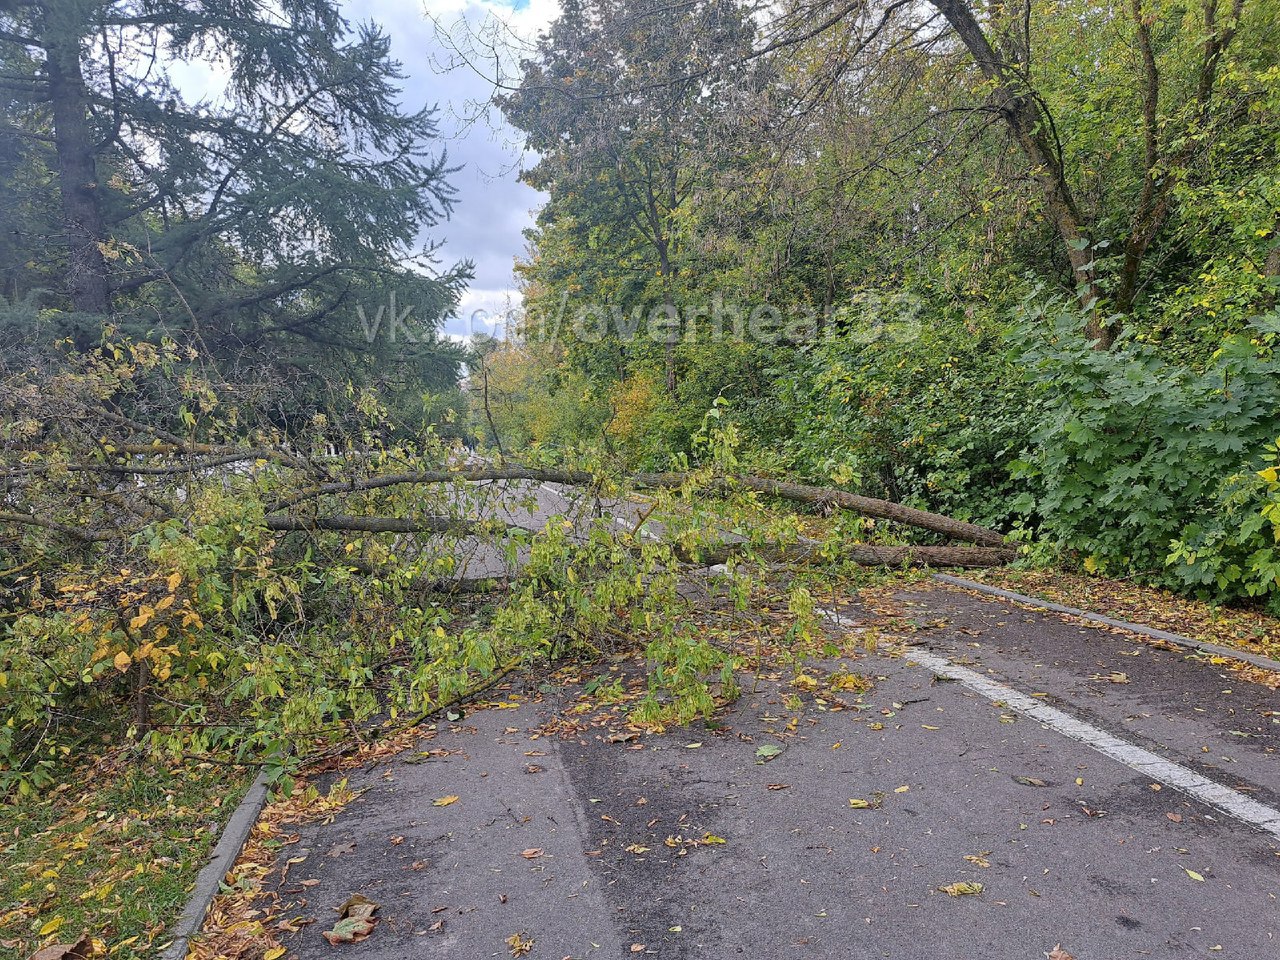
pixel 493 208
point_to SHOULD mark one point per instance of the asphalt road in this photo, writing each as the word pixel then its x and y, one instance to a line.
pixel 583 844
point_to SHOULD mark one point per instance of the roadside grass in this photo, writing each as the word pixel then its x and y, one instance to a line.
pixel 110 853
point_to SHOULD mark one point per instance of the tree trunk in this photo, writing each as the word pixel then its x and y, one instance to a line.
pixel 873 555
pixel 668 347
pixel 795 492
pixel 1032 129
pixel 873 507
pixel 77 166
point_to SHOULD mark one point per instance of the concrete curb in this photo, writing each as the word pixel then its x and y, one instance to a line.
pixel 209 880
pixel 1199 646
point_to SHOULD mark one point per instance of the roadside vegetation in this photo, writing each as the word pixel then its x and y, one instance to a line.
pixel 813 296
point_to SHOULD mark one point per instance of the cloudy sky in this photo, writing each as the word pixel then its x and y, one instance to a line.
pixel 493 207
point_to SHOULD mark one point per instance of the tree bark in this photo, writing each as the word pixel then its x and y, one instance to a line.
pixel 794 492
pixel 380 524
pixel 1032 127
pixel 879 509
pixel 874 555
pixel 77 165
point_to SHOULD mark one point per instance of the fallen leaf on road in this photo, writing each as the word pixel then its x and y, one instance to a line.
pixel 637 948
pixel 444 801
pixel 778 786
pixel 518 945
pixel 275 953
pixel 962 888
pixel 1113 677
pixel 858 804
pixel 356 921
pixel 533 853
pixel 396 841
pixel 979 860
pixel 1194 876
pixel 1030 781
pixel 767 752
pixel 1175 817
pixel 902 789
pixel 1057 953
pixel 692 746
pixel 636 848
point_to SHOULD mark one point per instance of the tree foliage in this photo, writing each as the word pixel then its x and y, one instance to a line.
pixel 936 183
pixel 241 172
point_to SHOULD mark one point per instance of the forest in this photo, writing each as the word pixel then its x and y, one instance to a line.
pixel 870 284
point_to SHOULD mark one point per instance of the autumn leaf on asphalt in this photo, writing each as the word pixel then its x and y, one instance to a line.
pixel 1030 781
pixel 533 853
pixel 857 803
pixel 1057 953
pixel 444 801
pixel 356 921
pixel 962 888
pixel 1114 677
pixel 636 848
pixel 767 752
pixel 778 786
pixel 1194 876
pixel 519 945
pixel 980 859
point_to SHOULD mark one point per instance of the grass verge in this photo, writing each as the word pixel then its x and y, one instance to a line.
pixel 110 853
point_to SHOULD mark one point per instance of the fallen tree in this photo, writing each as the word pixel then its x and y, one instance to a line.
pixel 783 490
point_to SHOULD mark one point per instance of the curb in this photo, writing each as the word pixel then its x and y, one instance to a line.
pixel 1199 646
pixel 209 880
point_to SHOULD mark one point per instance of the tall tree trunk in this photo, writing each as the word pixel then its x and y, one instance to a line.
pixel 668 296
pixel 77 166
pixel 1032 129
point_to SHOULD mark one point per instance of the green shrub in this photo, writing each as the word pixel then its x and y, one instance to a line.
pixel 1142 465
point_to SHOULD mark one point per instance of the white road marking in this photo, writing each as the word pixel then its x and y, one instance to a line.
pixel 1231 802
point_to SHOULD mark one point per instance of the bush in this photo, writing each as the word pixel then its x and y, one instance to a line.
pixel 1143 465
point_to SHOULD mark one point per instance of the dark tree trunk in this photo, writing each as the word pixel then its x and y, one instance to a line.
pixel 1032 129
pixel 77 166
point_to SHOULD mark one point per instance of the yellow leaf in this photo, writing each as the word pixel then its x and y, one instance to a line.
pixel 145 613
pixel 122 661
pixel 275 953
pixel 858 803
pixel 444 801
pixel 1271 475
pixel 52 926
pixel 164 603
pixel 1194 876
pixel 902 789
pixel 174 580
pixel 962 888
